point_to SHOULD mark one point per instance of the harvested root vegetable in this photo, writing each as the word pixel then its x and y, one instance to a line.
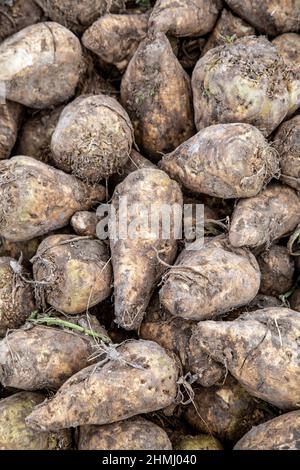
pixel 277 270
pixel 93 138
pixel 184 18
pixel 194 288
pixel 226 411
pixel 41 65
pixel 288 47
pixel 10 114
pixel 133 434
pixel 156 93
pixel 135 258
pixel 270 16
pixel 225 161
pixel 281 433
pixel 72 273
pixel 36 132
pixel 174 334
pixel 43 357
pixel 227 29
pixel 16 294
pixel 115 38
pixel 16 15
pixel 246 81
pixel 287 143
pixel 261 350
pixel 75 15
pixel 14 432
pixel 139 375
pixel 37 198
pixel 200 442
pixel 84 223
pixel 262 219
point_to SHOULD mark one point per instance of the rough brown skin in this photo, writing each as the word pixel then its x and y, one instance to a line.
pixel 35 135
pixel 281 433
pixel 184 18
pixel 14 432
pixel 18 15
pixel 288 47
pixel 261 350
pixel 287 143
pixel 269 16
pixel 262 219
pixel 16 295
pixel 84 223
pixel 200 442
pixel 227 411
pixel 37 198
pixel 10 115
pixel 42 357
pixel 225 161
pixel 73 275
pixel 246 81
pixel 194 287
pixel 40 66
pixel 134 434
pixel 137 269
pixel 93 138
pixel 78 15
pixel 142 378
pixel 277 270
pixel 174 334
pixel 227 28
pixel 156 93
pixel 115 38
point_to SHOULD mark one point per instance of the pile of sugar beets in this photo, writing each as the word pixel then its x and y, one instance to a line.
pixel 149 342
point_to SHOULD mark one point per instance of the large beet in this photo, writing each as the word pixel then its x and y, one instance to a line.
pixel 156 93
pixel 37 198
